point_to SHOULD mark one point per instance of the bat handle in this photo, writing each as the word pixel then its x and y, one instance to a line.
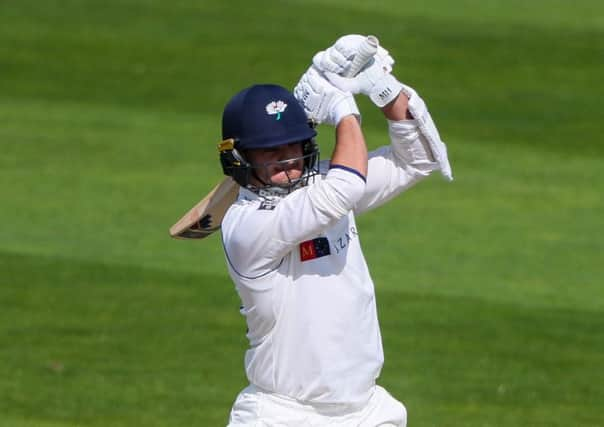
pixel 367 49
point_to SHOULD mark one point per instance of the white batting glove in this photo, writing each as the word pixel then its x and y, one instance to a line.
pixel 322 101
pixel 338 58
pixel 375 80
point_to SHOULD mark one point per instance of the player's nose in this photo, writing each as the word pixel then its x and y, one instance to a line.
pixel 290 152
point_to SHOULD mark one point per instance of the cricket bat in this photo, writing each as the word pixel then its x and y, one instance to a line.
pixel 206 216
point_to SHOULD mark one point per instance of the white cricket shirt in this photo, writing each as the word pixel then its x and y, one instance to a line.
pixel 306 291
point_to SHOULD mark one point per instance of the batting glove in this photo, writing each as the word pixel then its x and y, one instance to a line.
pixel 322 101
pixel 375 80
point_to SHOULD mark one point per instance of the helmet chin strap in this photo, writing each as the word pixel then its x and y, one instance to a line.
pixel 260 180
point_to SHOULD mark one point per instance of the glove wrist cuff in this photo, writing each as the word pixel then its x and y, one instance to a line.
pixel 385 90
pixel 345 107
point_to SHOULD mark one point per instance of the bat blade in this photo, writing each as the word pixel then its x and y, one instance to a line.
pixel 206 216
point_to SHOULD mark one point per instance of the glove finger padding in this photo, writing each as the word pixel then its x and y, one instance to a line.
pixel 339 57
pixel 323 102
pixel 349 45
pixel 331 60
pixel 374 80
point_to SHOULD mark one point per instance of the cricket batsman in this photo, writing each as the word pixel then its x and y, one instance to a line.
pixel 291 241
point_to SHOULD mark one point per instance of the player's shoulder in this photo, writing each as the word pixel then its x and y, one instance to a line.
pixel 247 239
pixel 248 212
pixel 249 202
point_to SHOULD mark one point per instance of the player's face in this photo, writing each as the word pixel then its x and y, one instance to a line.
pixel 278 165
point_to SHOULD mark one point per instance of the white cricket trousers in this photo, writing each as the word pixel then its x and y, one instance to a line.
pixel 257 408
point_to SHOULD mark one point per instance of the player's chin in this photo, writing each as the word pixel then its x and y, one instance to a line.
pixel 284 178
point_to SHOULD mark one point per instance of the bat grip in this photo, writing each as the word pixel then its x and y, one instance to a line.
pixel 367 49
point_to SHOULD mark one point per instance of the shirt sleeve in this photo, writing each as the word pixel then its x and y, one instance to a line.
pixel 256 239
pixel 394 168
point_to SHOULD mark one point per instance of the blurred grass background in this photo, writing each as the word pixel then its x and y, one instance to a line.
pixel 489 289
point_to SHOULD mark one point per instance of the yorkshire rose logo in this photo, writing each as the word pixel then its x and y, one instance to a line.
pixel 276 107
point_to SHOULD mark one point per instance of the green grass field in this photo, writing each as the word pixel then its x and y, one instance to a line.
pixel 490 289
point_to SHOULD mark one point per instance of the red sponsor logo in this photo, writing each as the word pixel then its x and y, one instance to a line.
pixel 315 248
pixel 307 250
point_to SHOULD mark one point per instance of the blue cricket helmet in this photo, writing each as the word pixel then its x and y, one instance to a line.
pixel 264 116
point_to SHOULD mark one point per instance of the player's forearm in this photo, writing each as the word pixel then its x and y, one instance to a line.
pixel 397 109
pixel 350 150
